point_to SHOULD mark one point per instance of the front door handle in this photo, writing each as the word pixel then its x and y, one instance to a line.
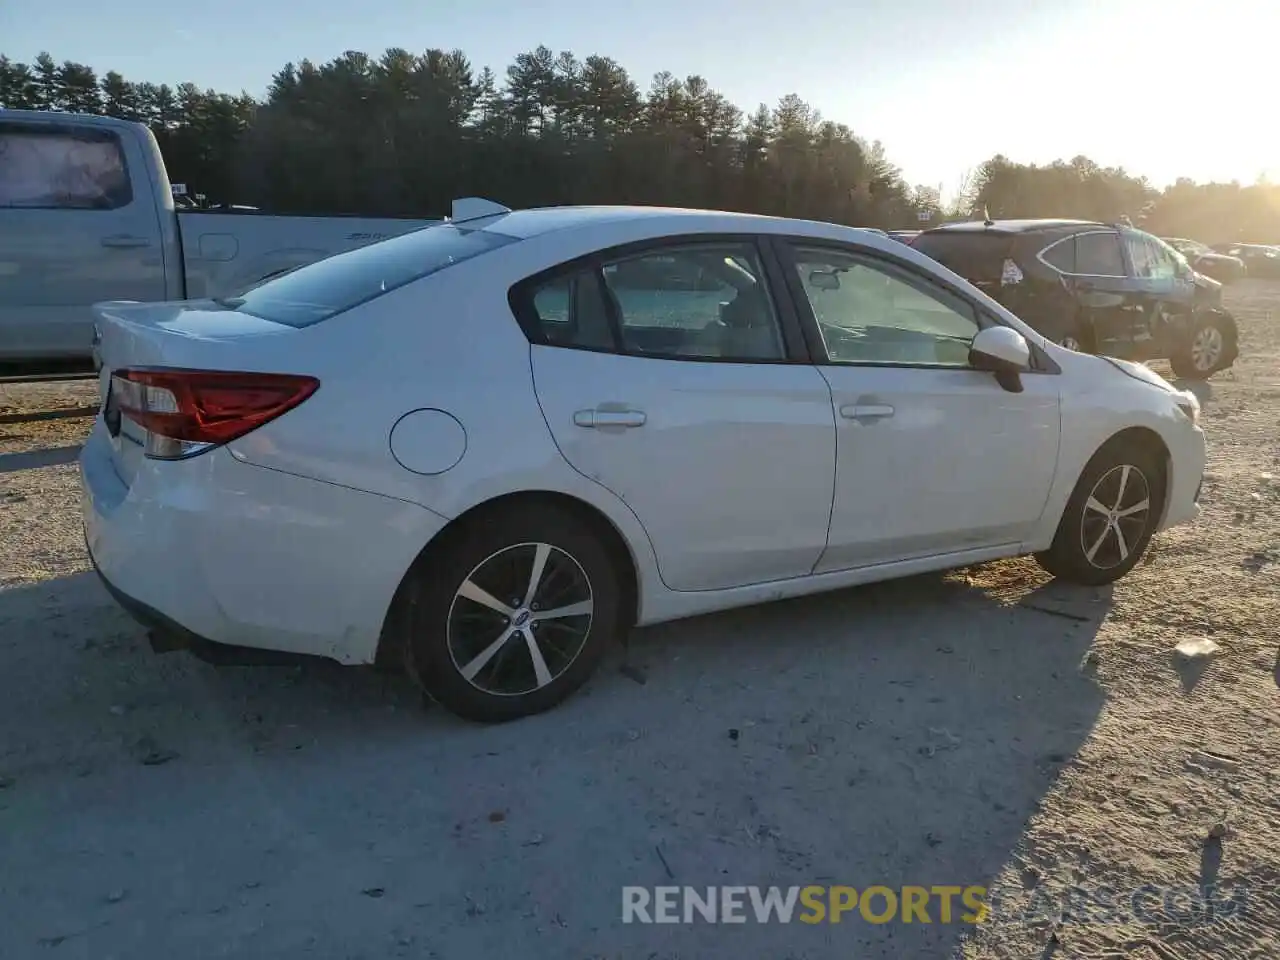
pixel 124 240
pixel 866 411
pixel 609 418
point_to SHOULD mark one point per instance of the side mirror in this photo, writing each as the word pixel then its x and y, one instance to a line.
pixel 1004 352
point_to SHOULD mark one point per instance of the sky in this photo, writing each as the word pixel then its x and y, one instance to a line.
pixel 1163 88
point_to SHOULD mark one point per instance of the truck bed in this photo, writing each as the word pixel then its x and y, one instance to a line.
pixel 225 252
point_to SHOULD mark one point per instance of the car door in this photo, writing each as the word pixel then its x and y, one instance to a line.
pixel 932 457
pixel 1155 288
pixel 671 375
pixel 1094 270
pixel 72 232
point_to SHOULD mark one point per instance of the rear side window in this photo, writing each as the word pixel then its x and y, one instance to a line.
pixel 331 286
pixel 61 169
pixel 1061 255
pixel 1098 255
pixel 975 256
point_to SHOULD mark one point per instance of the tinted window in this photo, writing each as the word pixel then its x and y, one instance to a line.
pixel 327 287
pixel 975 256
pixel 705 301
pixel 1142 254
pixel 571 311
pixel 1061 255
pixel 873 314
pixel 63 170
pixel 1166 264
pixel 1099 255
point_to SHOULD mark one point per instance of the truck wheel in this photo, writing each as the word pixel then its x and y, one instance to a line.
pixel 1204 351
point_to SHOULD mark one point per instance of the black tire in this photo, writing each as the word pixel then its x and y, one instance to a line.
pixel 1082 525
pixel 1206 349
pixel 446 633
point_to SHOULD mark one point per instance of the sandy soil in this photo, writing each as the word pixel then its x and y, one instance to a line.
pixel 44 434
pixel 985 727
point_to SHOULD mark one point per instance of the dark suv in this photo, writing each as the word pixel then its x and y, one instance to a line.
pixel 1095 287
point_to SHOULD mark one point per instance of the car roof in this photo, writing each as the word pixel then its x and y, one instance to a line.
pixel 654 222
pixel 536 221
pixel 1012 226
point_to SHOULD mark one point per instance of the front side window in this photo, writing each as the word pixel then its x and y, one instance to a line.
pixel 872 313
pixel 327 287
pixel 1098 255
pixel 1164 257
pixel 62 170
pixel 1142 254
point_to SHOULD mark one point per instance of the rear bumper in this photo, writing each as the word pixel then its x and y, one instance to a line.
pixel 214 551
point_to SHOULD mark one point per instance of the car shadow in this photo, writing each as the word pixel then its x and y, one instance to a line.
pixel 895 734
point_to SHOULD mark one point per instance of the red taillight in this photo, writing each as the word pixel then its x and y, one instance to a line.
pixel 186 411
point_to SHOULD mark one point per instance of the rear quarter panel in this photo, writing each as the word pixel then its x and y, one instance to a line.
pixel 224 253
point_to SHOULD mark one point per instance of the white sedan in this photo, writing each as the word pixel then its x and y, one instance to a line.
pixel 487 448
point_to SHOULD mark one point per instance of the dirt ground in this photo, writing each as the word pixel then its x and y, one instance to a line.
pixel 986 727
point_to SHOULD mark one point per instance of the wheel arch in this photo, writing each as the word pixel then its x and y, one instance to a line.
pixel 389 653
pixel 1148 439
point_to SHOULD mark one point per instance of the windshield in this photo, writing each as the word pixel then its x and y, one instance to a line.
pixel 323 289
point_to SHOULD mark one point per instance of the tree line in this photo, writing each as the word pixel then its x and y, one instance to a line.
pixel 403 134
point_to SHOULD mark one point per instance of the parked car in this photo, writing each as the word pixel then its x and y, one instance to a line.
pixel 488 448
pixel 904 236
pixel 1095 287
pixel 87 213
pixel 1261 260
pixel 1220 266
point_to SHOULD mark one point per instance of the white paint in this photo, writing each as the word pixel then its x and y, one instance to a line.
pixel 725 488
pixel 428 441
pixel 1007 346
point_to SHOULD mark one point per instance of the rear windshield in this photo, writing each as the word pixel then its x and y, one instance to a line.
pixel 328 287
pixel 975 256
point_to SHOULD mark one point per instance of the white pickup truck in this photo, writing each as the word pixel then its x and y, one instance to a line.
pixel 87 214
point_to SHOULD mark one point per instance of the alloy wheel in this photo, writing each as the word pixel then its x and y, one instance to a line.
pixel 519 619
pixel 1115 516
pixel 1206 348
pixel 1071 343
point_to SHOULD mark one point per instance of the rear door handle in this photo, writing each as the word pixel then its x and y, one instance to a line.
pixel 866 411
pixel 124 240
pixel 609 418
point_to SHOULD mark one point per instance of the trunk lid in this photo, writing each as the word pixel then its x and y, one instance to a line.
pixel 194 333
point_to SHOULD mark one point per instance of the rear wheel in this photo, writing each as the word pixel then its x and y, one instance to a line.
pixel 1204 351
pixel 513 615
pixel 1111 515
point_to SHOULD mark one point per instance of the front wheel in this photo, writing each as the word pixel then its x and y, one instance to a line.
pixel 513 615
pixel 1205 350
pixel 1110 518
